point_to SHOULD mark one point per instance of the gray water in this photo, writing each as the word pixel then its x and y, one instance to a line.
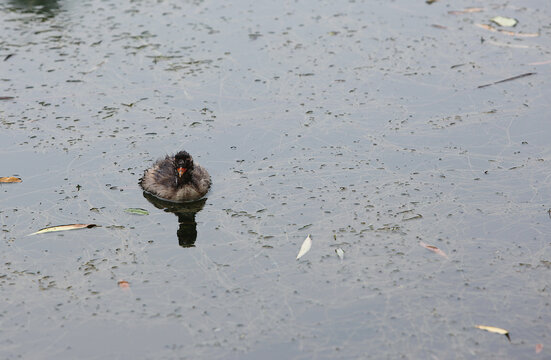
pixel 360 122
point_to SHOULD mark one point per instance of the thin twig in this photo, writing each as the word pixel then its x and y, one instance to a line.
pixel 508 79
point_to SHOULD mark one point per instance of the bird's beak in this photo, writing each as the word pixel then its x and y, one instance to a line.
pixel 181 171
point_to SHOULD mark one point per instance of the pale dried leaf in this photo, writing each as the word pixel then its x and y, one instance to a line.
pixel 466 11
pixel 504 21
pixel 495 330
pixel 507 32
pixel 434 249
pixel 306 245
pixel 492 329
pixel 63 228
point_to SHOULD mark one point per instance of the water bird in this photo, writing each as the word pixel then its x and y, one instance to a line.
pixel 176 178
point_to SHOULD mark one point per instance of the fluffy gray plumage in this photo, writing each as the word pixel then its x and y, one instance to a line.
pixel 164 181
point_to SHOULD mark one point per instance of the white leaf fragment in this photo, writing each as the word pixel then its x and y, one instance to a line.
pixel 340 253
pixel 504 21
pixel 306 245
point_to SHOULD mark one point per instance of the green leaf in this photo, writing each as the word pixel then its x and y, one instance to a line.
pixel 137 211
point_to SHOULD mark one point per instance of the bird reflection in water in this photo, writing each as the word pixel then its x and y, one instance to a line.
pixel 187 230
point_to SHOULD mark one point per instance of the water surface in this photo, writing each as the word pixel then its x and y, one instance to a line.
pixel 358 122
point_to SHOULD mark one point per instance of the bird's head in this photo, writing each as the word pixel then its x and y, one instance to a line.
pixel 183 165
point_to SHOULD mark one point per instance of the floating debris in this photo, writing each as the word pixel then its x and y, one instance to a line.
pixel 508 79
pixel 340 253
pixel 137 211
pixel 10 179
pixel 63 228
pixel 507 32
pixel 306 245
pixel 504 21
pixel 304 227
pixel 415 217
pixel 123 284
pixel 434 249
pixel 540 62
pixel 495 330
pixel 466 11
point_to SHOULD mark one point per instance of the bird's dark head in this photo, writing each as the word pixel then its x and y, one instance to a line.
pixel 183 165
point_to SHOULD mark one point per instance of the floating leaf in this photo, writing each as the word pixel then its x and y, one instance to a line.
pixel 415 217
pixel 305 227
pixel 306 245
pixel 10 179
pixel 433 249
pixel 63 228
pixel 340 253
pixel 493 329
pixel 504 21
pixel 507 32
pixel 466 11
pixel 123 284
pixel 137 211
